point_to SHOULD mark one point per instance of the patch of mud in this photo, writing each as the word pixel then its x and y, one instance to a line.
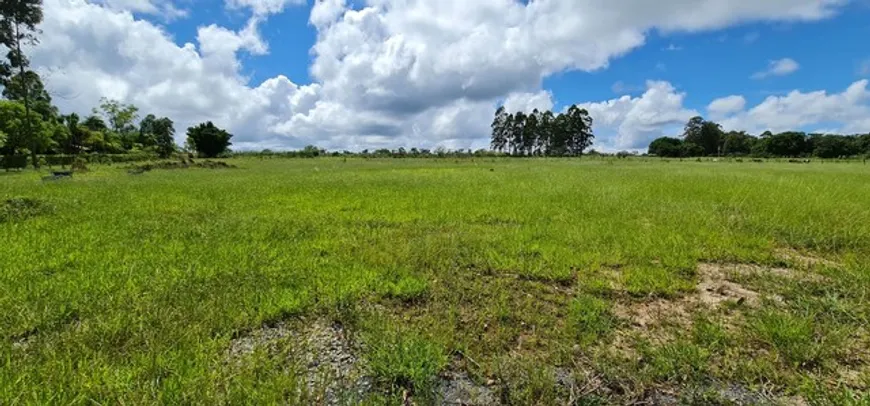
pixel 334 374
pixel 732 394
pixel 805 260
pixel 456 388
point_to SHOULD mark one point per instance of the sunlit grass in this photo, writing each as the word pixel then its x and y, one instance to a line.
pixel 130 288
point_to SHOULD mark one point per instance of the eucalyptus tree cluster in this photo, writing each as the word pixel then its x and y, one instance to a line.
pixel 542 133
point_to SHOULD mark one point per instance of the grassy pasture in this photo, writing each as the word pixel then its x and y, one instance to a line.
pixel 545 281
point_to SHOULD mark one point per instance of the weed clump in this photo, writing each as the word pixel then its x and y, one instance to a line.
pixel 21 208
pixel 404 360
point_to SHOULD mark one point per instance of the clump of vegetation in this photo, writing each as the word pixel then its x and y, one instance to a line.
pixel 79 165
pixel 208 140
pixel 206 164
pixel 404 360
pixel 797 340
pixel 21 208
pixel 590 318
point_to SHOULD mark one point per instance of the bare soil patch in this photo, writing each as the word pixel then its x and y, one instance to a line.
pixel 805 260
pixel 334 373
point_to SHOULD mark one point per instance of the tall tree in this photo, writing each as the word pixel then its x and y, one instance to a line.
pixel 705 134
pixel 579 134
pixel 499 130
pixel 29 86
pixel 208 140
pixel 517 129
pixel 18 21
pixel 737 143
pixel 77 133
pixel 164 136
pixel 146 131
pixel 121 118
pixel 530 133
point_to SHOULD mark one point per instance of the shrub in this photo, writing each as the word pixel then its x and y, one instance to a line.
pixel 79 165
pixel 208 140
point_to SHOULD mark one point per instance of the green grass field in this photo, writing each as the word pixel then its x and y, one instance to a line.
pixel 517 281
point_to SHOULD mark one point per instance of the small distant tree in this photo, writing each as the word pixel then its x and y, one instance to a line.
pixel 208 140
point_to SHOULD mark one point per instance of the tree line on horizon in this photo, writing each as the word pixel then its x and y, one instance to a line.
pixel 702 137
pixel 31 125
pixel 542 133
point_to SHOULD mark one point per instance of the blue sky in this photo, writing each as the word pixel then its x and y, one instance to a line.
pixel 424 73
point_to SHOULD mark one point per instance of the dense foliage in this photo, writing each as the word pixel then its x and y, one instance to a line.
pixel 208 140
pixel 542 133
pixel 706 138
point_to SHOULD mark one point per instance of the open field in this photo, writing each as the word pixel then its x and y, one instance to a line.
pixel 516 281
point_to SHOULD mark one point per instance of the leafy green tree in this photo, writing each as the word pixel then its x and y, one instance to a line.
pixel 30 86
pixel 666 147
pixel 831 146
pixel 545 133
pixel 120 118
pixel 737 143
pixel 579 130
pixel 706 134
pixel 77 134
pixel 164 137
pixel 23 135
pixel 146 131
pixel 208 140
pixel 787 144
pixel 18 22
pixel 690 149
pixel 517 130
pixel 530 133
pixel 157 133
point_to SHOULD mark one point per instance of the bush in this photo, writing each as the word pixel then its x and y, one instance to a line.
pixel 208 140
pixel 79 165
pixel 13 162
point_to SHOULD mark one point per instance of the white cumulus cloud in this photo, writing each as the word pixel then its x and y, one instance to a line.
pixel 779 67
pixel 726 105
